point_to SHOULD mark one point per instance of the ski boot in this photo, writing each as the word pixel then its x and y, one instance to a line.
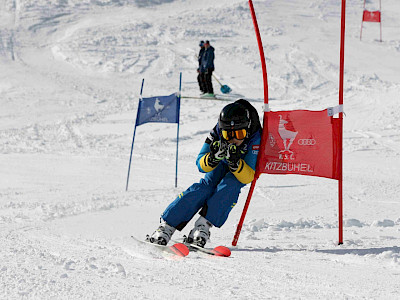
pixel 162 235
pixel 200 234
pixel 208 95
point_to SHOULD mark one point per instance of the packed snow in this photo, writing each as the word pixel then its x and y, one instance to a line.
pixel 70 79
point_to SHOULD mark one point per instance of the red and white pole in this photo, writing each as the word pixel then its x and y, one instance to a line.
pixel 380 18
pixel 362 21
pixel 341 80
pixel 265 124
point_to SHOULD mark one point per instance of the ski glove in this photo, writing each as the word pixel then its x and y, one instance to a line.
pixel 233 156
pixel 217 153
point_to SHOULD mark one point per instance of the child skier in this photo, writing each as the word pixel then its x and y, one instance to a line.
pixel 228 157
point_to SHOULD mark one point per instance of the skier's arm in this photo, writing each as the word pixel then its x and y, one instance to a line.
pixel 210 160
pixel 244 173
pixel 204 159
pixel 244 168
pixel 210 60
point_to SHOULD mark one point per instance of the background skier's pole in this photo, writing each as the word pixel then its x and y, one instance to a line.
pixel 178 106
pixel 134 132
pixel 224 88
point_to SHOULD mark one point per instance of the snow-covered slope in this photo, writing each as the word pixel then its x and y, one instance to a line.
pixel 69 85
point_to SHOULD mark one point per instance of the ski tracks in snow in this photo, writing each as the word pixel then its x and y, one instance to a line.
pixel 68 112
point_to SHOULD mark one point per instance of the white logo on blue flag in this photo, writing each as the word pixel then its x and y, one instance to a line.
pixel 161 109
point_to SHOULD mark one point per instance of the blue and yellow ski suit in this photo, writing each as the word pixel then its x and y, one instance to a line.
pixel 217 193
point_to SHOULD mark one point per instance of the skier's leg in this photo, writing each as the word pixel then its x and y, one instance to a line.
pixel 188 203
pixel 209 83
pixel 220 204
pixel 204 82
pixel 200 80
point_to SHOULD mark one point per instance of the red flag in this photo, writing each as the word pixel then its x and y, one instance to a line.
pixel 301 142
pixel 372 16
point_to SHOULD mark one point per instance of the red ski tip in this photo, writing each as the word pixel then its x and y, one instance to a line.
pixel 222 251
pixel 180 249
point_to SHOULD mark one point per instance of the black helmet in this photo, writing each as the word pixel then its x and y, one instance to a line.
pixel 234 116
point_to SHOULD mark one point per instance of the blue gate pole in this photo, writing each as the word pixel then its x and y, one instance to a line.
pixel 134 133
pixel 178 107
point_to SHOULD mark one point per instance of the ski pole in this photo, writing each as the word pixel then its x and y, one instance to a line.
pixel 217 79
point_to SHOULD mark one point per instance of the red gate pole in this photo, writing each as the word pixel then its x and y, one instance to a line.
pixel 265 124
pixel 341 79
pixel 261 49
pixel 380 18
pixel 362 20
pixel 246 206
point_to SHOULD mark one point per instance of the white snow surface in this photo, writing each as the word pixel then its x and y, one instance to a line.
pixel 70 79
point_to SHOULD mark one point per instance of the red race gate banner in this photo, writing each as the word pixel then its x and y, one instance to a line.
pixel 301 142
pixel 371 16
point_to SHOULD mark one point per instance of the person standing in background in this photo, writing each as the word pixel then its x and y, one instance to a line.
pixel 200 78
pixel 206 68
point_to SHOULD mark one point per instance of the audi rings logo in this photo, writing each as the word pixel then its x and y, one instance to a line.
pixel 306 142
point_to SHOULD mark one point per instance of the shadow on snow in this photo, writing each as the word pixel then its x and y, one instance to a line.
pixel 360 252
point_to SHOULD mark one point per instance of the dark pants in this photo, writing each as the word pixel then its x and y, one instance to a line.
pixel 216 195
pixel 207 82
pixel 201 82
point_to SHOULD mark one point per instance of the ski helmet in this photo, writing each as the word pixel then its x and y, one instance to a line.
pixel 234 116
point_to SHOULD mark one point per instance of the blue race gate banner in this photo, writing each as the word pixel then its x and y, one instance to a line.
pixel 160 109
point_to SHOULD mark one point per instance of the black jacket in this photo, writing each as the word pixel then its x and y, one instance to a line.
pixel 207 60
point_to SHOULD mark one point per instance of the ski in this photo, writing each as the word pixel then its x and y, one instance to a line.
pixel 216 251
pixel 221 98
pixel 221 251
pixel 207 98
pixel 178 249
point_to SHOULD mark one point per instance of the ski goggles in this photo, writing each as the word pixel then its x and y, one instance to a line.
pixel 238 134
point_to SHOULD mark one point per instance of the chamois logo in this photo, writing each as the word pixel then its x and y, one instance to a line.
pixel 288 135
pixel 157 105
